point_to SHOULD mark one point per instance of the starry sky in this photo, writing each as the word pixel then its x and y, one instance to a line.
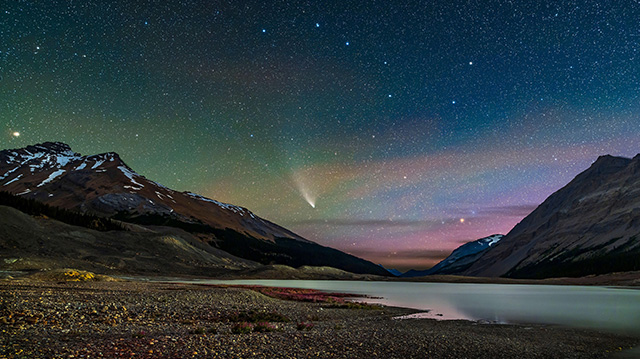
pixel 393 130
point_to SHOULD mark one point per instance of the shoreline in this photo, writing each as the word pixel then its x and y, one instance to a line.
pixel 629 280
pixel 164 320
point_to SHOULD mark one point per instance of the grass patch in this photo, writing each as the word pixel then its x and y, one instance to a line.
pixel 333 299
pixel 242 328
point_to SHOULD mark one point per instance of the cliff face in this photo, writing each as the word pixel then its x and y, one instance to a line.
pixel 590 226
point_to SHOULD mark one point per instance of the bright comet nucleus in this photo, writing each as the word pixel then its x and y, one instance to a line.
pixel 310 201
pixel 307 196
pixel 16 134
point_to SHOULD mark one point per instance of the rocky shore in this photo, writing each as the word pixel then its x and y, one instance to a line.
pixel 99 319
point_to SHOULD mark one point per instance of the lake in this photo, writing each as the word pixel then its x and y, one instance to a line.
pixel 602 308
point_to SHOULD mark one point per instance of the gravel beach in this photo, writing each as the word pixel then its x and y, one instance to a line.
pixel 157 320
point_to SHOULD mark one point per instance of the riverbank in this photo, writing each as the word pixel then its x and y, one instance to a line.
pixel 160 320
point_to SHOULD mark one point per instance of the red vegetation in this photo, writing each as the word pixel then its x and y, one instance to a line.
pixel 299 294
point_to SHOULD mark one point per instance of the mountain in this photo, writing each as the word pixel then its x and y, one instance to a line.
pixel 393 271
pixel 590 226
pixel 461 258
pixel 30 243
pixel 104 185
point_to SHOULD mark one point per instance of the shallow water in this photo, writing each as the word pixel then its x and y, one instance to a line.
pixel 602 308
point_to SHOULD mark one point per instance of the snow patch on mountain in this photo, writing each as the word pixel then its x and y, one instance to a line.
pixel 98 163
pixel 64 159
pixel 461 258
pixel 51 177
pixel 239 210
pixel 129 173
pixel 13 180
pixel 8 173
pixel 161 186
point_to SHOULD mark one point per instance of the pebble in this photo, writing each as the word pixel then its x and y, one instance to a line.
pixel 153 320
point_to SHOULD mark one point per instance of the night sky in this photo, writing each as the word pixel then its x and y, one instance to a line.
pixel 393 130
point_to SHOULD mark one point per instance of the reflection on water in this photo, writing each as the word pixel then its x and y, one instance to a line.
pixel 602 308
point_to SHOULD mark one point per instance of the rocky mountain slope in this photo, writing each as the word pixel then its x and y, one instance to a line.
pixel 104 185
pixel 590 226
pixel 460 259
pixel 29 243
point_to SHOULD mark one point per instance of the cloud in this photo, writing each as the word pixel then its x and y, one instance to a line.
pixel 423 254
pixel 419 259
pixel 519 210
pixel 375 223
pixel 367 222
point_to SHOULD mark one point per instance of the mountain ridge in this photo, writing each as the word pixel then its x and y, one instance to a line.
pixel 460 259
pixel 590 226
pixel 105 185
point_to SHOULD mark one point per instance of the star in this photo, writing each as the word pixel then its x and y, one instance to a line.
pixel 203 86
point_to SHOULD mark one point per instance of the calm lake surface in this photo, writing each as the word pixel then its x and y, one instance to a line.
pixel 602 308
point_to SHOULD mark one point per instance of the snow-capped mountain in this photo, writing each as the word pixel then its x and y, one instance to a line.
pixel 461 258
pixel 103 184
pixel 590 226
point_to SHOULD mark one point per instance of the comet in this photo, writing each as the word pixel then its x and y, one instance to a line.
pixel 304 191
pixel 307 197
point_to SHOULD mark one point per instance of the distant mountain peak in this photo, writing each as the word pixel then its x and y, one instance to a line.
pixel 461 258
pixel 52 147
